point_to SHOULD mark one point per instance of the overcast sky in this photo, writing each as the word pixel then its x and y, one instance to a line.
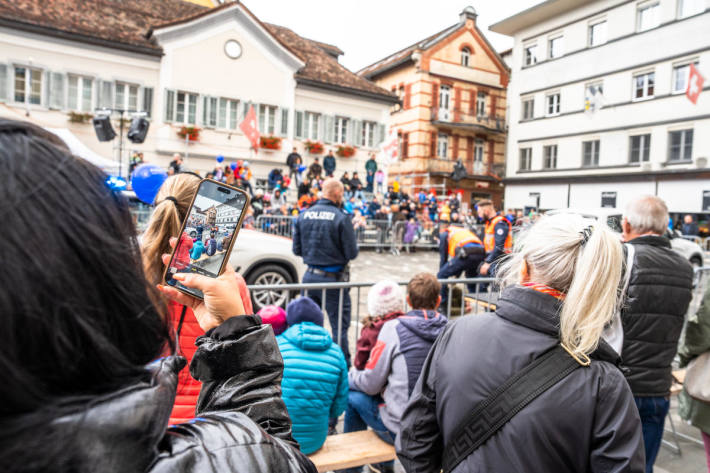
pixel 368 30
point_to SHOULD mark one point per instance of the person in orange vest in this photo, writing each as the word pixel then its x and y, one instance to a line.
pixel 498 237
pixel 461 251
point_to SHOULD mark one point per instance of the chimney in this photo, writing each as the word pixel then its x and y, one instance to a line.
pixel 468 13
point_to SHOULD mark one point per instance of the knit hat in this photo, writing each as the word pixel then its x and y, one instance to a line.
pixel 303 309
pixel 384 298
pixel 274 316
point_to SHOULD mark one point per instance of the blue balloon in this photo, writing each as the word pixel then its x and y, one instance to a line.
pixel 233 166
pixel 220 158
pixel 146 180
pixel 301 168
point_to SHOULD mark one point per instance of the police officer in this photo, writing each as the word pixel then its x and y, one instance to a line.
pixel 323 235
pixel 498 237
pixel 465 251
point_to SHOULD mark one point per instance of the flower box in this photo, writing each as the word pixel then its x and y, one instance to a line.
pixel 314 147
pixel 345 151
pixel 270 142
pixel 78 117
pixel 191 132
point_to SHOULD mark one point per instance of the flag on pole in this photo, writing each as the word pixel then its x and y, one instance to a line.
pixel 248 126
pixel 390 148
pixel 695 84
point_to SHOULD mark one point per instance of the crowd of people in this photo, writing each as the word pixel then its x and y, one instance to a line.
pixel 107 369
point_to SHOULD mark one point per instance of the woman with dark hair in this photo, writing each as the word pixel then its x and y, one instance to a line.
pixel 87 384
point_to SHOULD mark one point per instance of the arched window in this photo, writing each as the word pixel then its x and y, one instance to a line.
pixel 465 56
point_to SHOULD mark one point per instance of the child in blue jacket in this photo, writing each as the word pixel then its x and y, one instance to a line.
pixel 315 378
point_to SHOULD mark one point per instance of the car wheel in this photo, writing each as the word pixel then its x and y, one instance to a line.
pixel 270 275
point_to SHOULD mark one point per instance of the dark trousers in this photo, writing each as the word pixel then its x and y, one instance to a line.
pixel 455 267
pixel 653 412
pixel 363 412
pixel 331 307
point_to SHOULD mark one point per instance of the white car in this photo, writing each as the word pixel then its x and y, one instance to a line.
pixel 689 249
pixel 265 259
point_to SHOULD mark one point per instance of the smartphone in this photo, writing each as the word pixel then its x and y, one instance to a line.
pixel 208 233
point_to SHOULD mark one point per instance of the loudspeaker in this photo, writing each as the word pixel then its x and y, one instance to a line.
pixel 102 127
pixel 459 171
pixel 138 130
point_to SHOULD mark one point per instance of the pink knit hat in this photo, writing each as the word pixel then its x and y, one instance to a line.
pixel 384 298
pixel 274 316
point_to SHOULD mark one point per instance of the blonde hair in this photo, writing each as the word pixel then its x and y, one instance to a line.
pixel 589 273
pixel 165 222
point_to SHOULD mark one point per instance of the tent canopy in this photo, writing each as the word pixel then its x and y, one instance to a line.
pixel 80 149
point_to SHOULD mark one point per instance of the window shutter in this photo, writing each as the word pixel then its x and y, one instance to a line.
pixel 455 148
pixel 457 104
pixel 357 133
pixel 205 110
pixel 432 148
pixel 405 145
pixel 493 106
pixel 435 96
pixel 321 127
pixel 106 94
pixel 469 148
pixel 472 103
pixel 57 92
pixel 4 82
pixel 148 101
pixel 284 122
pixel 46 78
pixel 407 96
pixel 222 114
pixel 380 137
pixel 169 105
pixel 299 124
pixel 329 128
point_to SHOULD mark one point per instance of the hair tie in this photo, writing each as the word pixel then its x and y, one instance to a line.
pixel 586 233
pixel 171 199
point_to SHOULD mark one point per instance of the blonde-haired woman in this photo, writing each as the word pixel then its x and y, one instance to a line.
pixel 559 287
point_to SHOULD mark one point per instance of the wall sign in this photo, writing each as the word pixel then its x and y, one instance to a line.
pixel 609 200
pixel 706 201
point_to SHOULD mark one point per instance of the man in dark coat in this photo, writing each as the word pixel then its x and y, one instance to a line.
pixel 690 228
pixel 329 164
pixel 293 161
pixel 315 170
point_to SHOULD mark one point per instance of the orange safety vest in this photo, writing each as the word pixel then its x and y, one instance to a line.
pixel 459 237
pixel 489 239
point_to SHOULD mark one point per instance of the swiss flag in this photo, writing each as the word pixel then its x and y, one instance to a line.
pixel 248 126
pixel 695 84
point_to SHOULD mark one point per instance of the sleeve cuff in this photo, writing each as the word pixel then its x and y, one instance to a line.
pixel 233 327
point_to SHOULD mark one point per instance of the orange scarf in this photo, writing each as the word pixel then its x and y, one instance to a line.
pixel 545 290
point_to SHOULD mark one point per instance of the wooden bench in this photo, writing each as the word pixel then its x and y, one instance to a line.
pixel 353 449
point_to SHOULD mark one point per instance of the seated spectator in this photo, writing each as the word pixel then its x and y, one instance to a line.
pixel 349 205
pixel 304 188
pixel 275 178
pixel 356 187
pixel 197 250
pixel 90 350
pixel 374 206
pixel 315 170
pixel 689 227
pixel 359 221
pixel 274 316
pixel 278 198
pixel 393 367
pixel 315 380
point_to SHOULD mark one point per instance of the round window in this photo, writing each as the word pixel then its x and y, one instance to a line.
pixel 233 49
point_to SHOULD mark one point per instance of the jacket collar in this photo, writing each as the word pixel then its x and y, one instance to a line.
pixel 326 202
pixel 652 240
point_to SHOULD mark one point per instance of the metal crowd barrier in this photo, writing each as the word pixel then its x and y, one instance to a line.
pixel 281 225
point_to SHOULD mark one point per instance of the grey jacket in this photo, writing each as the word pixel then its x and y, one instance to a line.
pixel 588 422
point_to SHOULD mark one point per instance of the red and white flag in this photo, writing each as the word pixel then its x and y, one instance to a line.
pixel 248 126
pixel 390 148
pixel 695 84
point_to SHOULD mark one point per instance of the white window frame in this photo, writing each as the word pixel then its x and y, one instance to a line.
pixel 442 145
pixel 698 4
pixel 523 102
pixel 683 145
pixel 27 92
pixel 186 110
pixel 645 86
pixel 557 37
pixel 310 125
pixel 644 144
pixel 126 96
pixel 675 69
pixel 552 156
pixel 230 121
pixel 590 32
pixel 368 134
pixel 78 104
pixel 555 103
pixel 340 132
pixel 444 102
pixel 653 6
pixel 267 119
pixel 530 59
pixel 525 159
pixel 481 104
pixel 479 150
pixel 594 157
pixel 465 56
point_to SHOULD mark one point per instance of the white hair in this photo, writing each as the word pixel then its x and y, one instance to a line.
pixel 647 214
pixel 587 272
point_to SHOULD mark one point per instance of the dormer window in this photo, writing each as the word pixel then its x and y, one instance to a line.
pixel 465 56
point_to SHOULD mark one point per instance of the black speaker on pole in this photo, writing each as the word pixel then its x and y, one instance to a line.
pixel 102 127
pixel 138 129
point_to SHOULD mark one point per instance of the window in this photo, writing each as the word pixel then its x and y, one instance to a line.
pixel 284 121
pixel 442 145
pixel 553 104
pixel 549 155
pixel 680 77
pixel 209 111
pixel 368 134
pixel 126 97
pixel 590 153
pixel 478 149
pixel 643 85
pixel 181 107
pixel 688 8
pixel 639 148
pixel 28 85
pixel 267 119
pixel 531 55
pixel 528 108
pixel 554 49
pixel 481 104
pixel 597 33
pixel 465 56
pixel 227 114
pixel 148 101
pixel 681 145
pixel 81 93
pixel 444 101
pixel 310 120
pixel 647 16
pixel 525 159
pixel 341 130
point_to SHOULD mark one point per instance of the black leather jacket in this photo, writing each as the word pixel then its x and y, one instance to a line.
pixel 587 422
pixel 657 299
pixel 241 426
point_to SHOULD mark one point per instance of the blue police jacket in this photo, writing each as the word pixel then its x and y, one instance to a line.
pixel 323 235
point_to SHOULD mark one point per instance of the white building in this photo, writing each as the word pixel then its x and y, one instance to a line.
pixel 598 111
pixel 184 65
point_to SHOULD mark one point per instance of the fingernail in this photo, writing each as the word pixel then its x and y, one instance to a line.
pixel 179 277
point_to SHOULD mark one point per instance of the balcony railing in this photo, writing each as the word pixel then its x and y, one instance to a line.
pixel 461 118
pixel 473 168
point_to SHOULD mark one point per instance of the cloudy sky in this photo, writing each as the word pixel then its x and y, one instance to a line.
pixel 368 30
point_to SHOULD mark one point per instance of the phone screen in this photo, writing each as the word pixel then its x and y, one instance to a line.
pixel 211 224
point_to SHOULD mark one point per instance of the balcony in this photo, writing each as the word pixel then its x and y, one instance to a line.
pixel 467 121
pixel 473 168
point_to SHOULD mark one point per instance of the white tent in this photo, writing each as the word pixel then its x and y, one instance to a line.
pixel 80 149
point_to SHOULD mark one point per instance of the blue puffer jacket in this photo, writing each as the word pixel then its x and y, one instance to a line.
pixel 315 382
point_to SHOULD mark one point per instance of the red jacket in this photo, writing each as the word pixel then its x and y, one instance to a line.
pixel 368 338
